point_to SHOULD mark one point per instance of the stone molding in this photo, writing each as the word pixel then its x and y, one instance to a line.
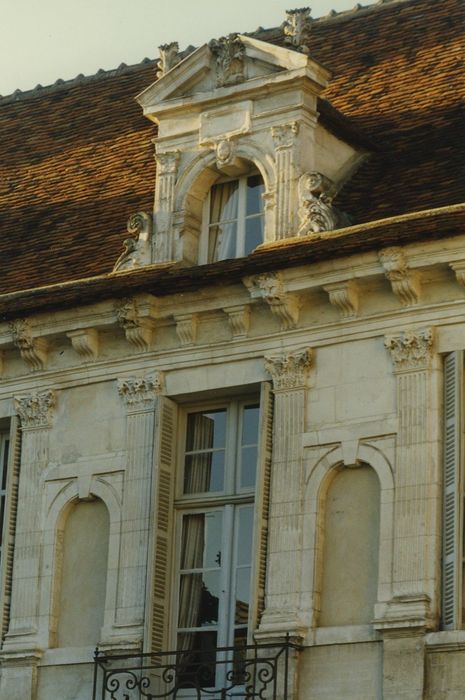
pixel 289 371
pixel 33 350
pixel 186 328
pixel 140 393
pixel 344 295
pixel 271 288
pixel 297 28
pixel 284 135
pixel 403 615
pixel 35 410
pixel 138 330
pixel 411 350
pixel 229 53
pixel 169 57
pixel 405 283
pixel 239 319
pixel 85 342
pixel 316 211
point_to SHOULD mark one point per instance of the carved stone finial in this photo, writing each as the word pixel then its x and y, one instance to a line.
pixel 35 410
pixel 289 371
pixel 229 53
pixel 138 331
pixel 316 211
pixel 284 135
pixel 140 393
pixel 297 28
pixel 169 57
pixel 344 295
pixel 136 251
pixel 32 350
pixel 270 287
pixel 411 350
pixel 405 283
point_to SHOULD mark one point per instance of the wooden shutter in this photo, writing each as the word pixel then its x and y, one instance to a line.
pixel 164 474
pixel 262 506
pixel 14 460
pixel 452 545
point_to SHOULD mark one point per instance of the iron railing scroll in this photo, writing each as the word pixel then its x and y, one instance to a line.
pixel 253 672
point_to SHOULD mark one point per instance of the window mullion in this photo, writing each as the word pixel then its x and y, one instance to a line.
pixel 241 211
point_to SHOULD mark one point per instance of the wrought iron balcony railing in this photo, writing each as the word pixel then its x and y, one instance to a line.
pixel 260 671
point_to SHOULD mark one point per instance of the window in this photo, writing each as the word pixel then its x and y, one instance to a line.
pixel 10 453
pixel 234 215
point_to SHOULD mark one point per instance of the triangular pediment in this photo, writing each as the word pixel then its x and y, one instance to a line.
pixel 221 65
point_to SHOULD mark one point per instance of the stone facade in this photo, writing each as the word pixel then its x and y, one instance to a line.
pixel 349 348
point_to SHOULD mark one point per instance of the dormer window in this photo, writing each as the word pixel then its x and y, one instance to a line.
pixel 234 212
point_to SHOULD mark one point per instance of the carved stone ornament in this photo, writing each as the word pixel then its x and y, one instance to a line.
pixel 411 350
pixel 290 371
pixel 186 328
pixel 459 268
pixel 35 410
pixel 405 283
pixel 169 57
pixel 33 350
pixel 284 135
pixel 85 342
pixel 344 295
pixel 270 287
pixel 297 28
pixel 239 319
pixel 224 152
pixel 167 163
pixel 140 393
pixel 316 211
pixel 229 53
pixel 136 251
pixel 138 331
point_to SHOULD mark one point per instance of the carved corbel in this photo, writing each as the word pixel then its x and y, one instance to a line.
pixel 186 328
pixel 33 350
pixel 411 350
pixel 137 248
pixel 344 295
pixel 459 269
pixel 85 342
pixel 229 53
pixel 239 319
pixel 405 283
pixel 169 57
pixel 297 28
pixel 138 330
pixel 316 211
pixel 270 287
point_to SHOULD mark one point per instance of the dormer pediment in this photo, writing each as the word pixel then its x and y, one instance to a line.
pixel 223 69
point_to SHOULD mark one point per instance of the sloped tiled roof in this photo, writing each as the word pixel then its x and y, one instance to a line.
pixel 77 159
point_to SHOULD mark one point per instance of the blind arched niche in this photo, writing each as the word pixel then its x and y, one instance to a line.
pixel 349 576
pixel 81 595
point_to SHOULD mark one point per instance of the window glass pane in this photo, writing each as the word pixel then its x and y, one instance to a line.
pixel 206 430
pixel 198 599
pixel 241 616
pixel 202 540
pixel 250 416
pixel 244 543
pixel 223 201
pixel 249 439
pixel 204 472
pixel 198 662
pixel 4 463
pixel 255 189
pixel 253 233
pixel 248 467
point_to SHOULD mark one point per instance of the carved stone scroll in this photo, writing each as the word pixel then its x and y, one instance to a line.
pixel 138 331
pixel 85 342
pixel 33 350
pixel 270 287
pixel 297 28
pixel 229 53
pixel 344 295
pixel 137 249
pixel 316 211
pixel 405 283
pixel 239 319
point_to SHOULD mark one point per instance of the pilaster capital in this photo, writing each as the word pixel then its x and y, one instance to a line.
pixel 36 410
pixel 284 134
pixel 289 371
pixel 139 394
pixel 411 350
pixel 167 162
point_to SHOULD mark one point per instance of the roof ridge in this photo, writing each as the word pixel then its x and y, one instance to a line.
pixel 359 9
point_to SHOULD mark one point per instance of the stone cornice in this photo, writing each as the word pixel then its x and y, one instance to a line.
pixel 36 409
pixel 411 350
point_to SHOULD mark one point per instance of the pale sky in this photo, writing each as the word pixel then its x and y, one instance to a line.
pixel 43 40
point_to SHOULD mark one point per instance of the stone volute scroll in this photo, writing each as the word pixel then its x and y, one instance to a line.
pixel 229 53
pixel 316 210
pixel 297 28
pixel 405 283
pixel 137 248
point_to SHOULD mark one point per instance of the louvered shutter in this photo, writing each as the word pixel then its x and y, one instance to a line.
pixel 14 460
pixel 165 453
pixel 262 505
pixel 452 549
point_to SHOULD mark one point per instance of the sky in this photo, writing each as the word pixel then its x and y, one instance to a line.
pixel 43 40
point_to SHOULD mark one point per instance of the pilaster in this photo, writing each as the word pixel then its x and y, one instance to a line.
pixel 140 399
pixel 282 613
pixel 285 141
pixel 167 168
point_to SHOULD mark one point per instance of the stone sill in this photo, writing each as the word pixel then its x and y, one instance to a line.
pixel 447 640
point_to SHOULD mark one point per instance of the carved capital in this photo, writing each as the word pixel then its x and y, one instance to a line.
pixel 138 331
pixel 297 28
pixel 167 162
pixel 344 295
pixel 405 283
pixel 411 350
pixel 284 135
pixel 140 394
pixel 270 287
pixel 229 53
pixel 32 350
pixel 85 342
pixel 169 57
pixel 316 211
pixel 239 319
pixel 290 371
pixel 186 328
pixel 35 410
